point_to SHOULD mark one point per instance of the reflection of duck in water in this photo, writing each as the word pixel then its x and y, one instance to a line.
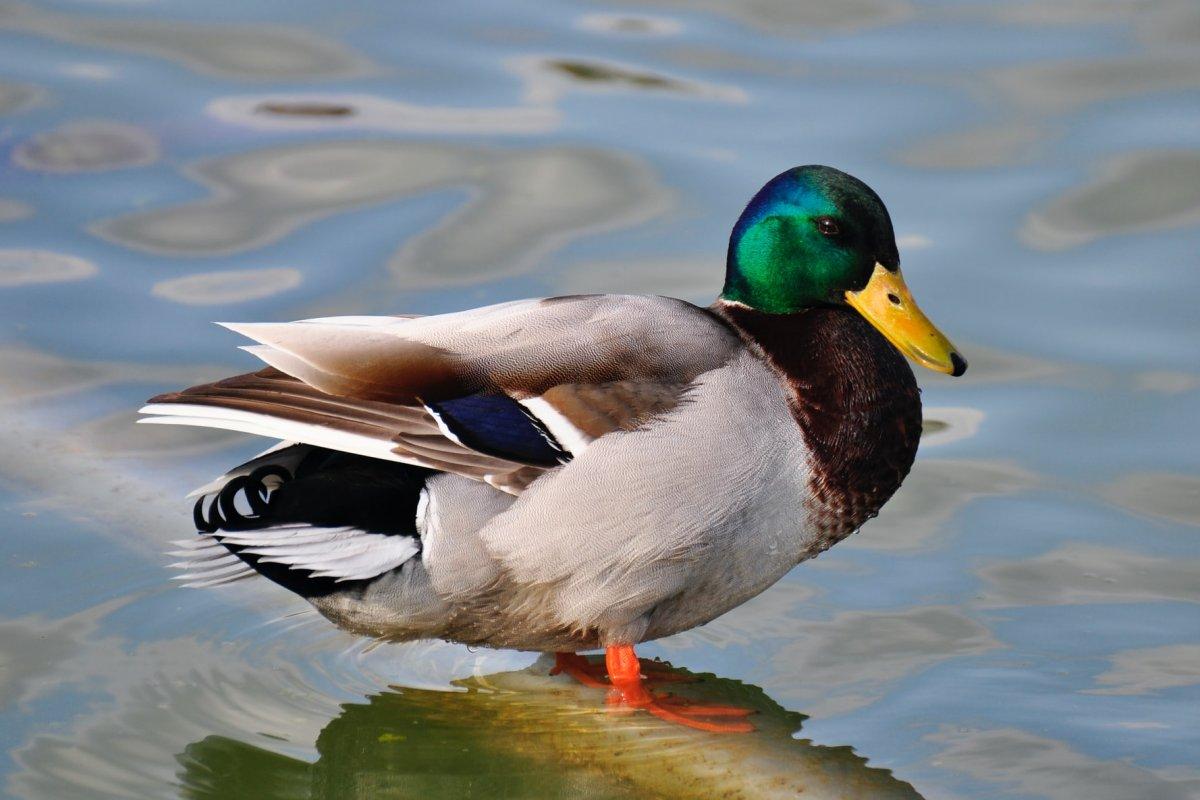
pixel 586 471
pixel 519 734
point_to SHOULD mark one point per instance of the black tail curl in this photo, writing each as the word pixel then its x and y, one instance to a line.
pixel 327 488
pixel 223 514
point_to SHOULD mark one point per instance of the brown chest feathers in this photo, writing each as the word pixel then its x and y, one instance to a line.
pixel 856 402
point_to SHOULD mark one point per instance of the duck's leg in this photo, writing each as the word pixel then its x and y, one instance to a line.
pixel 629 690
pixel 579 668
pixel 595 675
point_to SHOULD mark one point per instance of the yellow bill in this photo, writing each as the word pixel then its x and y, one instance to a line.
pixel 887 304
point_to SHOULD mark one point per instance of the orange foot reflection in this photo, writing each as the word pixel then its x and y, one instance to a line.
pixel 628 682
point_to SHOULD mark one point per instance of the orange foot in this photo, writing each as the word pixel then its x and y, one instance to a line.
pixel 595 675
pixel 628 684
pixel 582 670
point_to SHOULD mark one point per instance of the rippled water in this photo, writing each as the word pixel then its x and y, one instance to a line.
pixel 1021 622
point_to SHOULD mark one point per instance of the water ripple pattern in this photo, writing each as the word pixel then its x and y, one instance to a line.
pixel 1019 622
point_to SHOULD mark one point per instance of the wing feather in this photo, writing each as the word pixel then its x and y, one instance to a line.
pixel 581 366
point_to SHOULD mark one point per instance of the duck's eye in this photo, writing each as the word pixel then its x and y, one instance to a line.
pixel 828 226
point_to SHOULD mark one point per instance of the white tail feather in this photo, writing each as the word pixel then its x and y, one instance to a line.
pixel 341 553
pixel 249 573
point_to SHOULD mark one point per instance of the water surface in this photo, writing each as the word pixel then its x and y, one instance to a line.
pixel 1020 622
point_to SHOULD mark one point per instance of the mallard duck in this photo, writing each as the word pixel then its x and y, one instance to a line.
pixel 590 471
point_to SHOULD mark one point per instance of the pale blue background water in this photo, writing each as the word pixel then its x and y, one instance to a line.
pixel 1021 622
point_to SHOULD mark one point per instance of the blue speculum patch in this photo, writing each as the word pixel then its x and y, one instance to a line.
pixel 498 425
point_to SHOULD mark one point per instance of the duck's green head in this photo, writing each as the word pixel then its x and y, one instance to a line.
pixel 815 236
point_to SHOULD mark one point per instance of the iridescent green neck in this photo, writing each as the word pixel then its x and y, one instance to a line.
pixel 808 236
pixel 775 266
